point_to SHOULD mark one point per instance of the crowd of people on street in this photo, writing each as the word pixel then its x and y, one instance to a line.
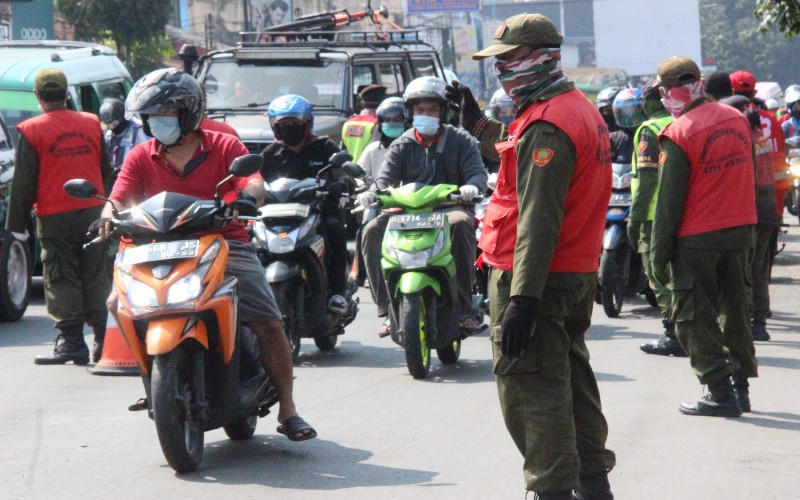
pixel 707 158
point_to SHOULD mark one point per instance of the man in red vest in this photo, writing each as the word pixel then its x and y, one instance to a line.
pixel 542 237
pixel 55 147
pixel 703 228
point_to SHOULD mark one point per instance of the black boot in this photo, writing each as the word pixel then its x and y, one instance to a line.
pixel 99 337
pixel 719 402
pixel 668 346
pixel 594 487
pixel 759 326
pixel 741 389
pixel 70 346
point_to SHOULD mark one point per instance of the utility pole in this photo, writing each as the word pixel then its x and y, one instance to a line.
pixel 246 7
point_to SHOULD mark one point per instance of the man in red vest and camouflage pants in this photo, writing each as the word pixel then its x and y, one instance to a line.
pixel 703 228
pixel 55 147
pixel 542 236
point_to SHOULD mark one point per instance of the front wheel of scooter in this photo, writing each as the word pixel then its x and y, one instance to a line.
pixel 451 353
pixel 174 395
pixel 414 321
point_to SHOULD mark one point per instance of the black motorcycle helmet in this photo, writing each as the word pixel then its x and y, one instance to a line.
pixel 112 114
pixel 167 89
pixel 391 109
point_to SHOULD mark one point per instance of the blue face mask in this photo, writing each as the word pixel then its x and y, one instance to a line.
pixel 392 130
pixel 165 129
pixel 425 125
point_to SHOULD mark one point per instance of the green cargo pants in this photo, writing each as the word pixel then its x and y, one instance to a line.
pixel 76 282
pixel 661 290
pixel 711 311
pixel 759 268
pixel 549 395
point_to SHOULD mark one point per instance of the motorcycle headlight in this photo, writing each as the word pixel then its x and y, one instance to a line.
pixel 260 231
pixel 189 287
pixel 412 260
pixel 437 247
pixel 139 294
pixel 281 242
pixel 795 170
pixel 622 181
pixel 390 248
pixel 305 227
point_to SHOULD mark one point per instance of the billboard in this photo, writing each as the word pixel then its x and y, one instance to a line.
pixel 33 20
pixel 266 13
pixel 422 6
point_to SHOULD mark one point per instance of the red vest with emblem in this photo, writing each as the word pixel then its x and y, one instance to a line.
pixel 581 235
pixel 765 173
pixel 717 142
pixel 68 145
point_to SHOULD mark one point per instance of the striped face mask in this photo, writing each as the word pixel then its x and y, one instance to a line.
pixel 523 78
pixel 676 99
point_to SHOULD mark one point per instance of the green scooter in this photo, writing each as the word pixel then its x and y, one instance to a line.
pixel 420 274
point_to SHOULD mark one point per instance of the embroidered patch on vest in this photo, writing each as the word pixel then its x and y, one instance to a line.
pixel 354 131
pixel 642 146
pixel 662 157
pixel 542 156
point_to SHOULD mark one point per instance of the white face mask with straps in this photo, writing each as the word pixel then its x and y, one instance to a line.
pixel 165 129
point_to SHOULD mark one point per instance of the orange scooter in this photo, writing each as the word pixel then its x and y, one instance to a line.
pixel 178 313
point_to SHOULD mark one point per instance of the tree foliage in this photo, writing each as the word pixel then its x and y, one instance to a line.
pixel 133 25
pixel 783 14
pixel 734 38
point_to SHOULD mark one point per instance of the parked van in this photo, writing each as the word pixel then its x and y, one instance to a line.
pixel 93 72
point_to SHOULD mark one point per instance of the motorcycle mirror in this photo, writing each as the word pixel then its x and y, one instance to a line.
pixel 246 165
pixel 80 189
pixel 339 158
pixel 353 169
pixel 793 142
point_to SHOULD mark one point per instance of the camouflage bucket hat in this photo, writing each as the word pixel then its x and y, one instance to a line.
pixel 522 29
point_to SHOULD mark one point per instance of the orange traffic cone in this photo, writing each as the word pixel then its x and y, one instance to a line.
pixel 117 358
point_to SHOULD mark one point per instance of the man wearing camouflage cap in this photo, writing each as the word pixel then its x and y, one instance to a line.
pixel 55 147
pixel 551 197
pixel 703 228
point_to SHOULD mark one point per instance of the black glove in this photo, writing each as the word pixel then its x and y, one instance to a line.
pixel 462 97
pixel 518 322
pixel 95 226
pixel 245 205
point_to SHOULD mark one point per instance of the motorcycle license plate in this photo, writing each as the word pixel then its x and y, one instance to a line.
pixel 416 221
pixel 618 199
pixel 169 250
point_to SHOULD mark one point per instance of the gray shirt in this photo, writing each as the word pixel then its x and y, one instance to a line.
pixel 454 159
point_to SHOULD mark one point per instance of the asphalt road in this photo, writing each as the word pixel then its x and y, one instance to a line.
pixel 65 433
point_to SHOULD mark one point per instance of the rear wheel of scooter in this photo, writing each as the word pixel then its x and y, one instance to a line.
pixel 326 343
pixel 173 390
pixel 242 429
pixel 286 303
pixel 613 292
pixel 450 353
pixel 415 326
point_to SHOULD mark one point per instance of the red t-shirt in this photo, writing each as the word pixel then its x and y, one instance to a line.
pixel 146 173
pixel 209 124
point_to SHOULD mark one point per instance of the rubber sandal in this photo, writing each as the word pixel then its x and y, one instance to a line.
pixel 293 428
pixel 385 330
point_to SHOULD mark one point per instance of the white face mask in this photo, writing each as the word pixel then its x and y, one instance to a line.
pixel 165 129
pixel 425 125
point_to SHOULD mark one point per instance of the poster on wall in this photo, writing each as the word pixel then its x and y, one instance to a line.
pixel 266 13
